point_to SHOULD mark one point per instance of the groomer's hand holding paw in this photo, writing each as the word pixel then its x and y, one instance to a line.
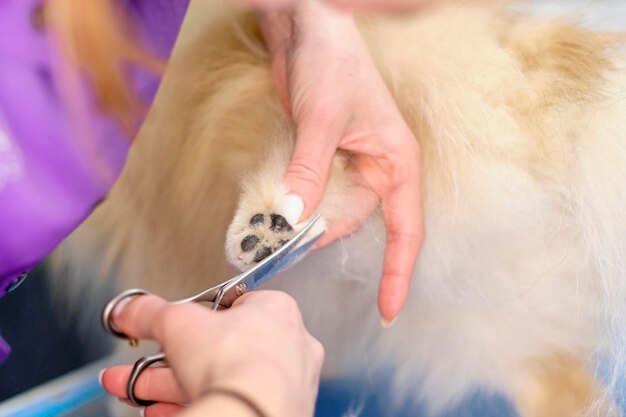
pixel 338 100
pixel 258 349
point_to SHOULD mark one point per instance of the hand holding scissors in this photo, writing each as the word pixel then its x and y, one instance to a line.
pixel 258 349
pixel 222 296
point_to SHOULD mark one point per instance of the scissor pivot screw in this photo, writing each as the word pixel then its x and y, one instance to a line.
pixel 241 289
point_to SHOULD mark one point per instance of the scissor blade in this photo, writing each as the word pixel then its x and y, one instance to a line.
pixel 269 270
pixel 287 255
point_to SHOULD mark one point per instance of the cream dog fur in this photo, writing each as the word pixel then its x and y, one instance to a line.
pixel 520 287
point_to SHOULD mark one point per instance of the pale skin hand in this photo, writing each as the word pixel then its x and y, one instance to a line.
pixel 338 100
pixel 259 348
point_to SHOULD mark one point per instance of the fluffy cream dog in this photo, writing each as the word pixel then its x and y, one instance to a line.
pixel 520 287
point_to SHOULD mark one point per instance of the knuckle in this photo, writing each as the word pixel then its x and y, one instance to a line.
pixel 167 319
pixel 284 302
pixel 318 352
pixel 286 308
pixel 147 385
pixel 319 112
pixel 404 166
pixel 308 171
pixel 395 273
pixel 125 318
pixel 161 322
pixel 129 316
pixel 404 143
pixel 409 238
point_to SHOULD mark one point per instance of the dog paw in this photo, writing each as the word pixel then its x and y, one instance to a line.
pixel 262 235
pixel 263 223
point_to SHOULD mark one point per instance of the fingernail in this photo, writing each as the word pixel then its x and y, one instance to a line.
pixel 386 324
pixel 119 307
pixel 127 402
pixel 291 207
pixel 142 411
pixel 100 375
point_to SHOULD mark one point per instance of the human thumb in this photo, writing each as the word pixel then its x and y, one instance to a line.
pixel 307 172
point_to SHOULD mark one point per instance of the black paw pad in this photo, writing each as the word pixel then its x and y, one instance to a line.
pixel 262 253
pixel 249 243
pixel 257 219
pixel 279 223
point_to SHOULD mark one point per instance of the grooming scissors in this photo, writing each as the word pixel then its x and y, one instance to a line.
pixel 222 296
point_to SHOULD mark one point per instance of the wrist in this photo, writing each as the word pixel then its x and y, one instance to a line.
pixel 223 403
pixel 268 392
pixel 310 18
pixel 277 28
pixel 314 27
pixel 269 389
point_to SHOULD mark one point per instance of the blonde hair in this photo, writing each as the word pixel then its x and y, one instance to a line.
pixel 98 39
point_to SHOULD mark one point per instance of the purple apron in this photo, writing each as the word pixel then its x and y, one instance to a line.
pixel 53 168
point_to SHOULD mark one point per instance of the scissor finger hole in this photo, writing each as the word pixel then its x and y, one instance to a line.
pixel 107 314
pixel 149 361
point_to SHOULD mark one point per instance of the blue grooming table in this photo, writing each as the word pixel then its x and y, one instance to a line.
pixel 79 394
